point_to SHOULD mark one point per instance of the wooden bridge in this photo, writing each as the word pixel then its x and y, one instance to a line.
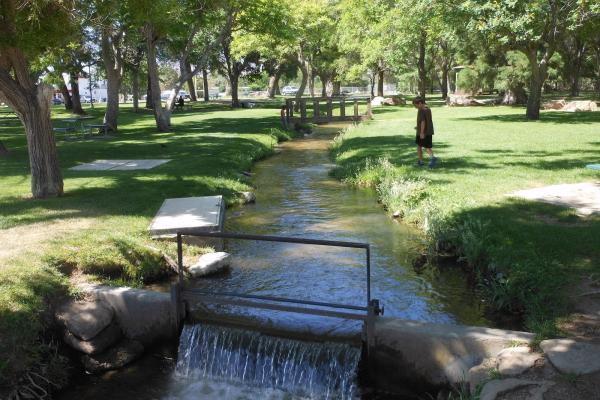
pixel 321 110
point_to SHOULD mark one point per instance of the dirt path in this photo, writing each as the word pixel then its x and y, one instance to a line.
pixel 33 239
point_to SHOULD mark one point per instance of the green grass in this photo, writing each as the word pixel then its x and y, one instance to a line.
pixel 524 254
pixel 99 226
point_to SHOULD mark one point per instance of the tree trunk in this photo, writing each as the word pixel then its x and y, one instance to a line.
pixel 113 85
pixel 372 82
pixel 444 83
pixel 576 66
pixel 77 109
pixel 303 81
pixel 190 82
pixel 149 103
pixel 380 83
pixel 233 79
pixel 323 80
pixel 337 88
pixel 514 96
pixel 162 116
pixel 136 89
pixel 274 83
pixel 421 65
pixel 46 177
pixel 205 84
pixel 3 150
pixel 311 82
pixel 538 77
pixel 66 96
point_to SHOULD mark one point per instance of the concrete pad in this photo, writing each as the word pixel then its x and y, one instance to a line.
pixel 593 166
pixel 143 315
pixel 119 165
pixel 189 215
pixel 583 197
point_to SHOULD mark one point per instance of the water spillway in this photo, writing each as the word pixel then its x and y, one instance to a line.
pixel 294 368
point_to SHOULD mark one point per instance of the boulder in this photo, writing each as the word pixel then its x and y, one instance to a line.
pixel 479 374
pixel 85 320
pixel 98 343
pixel 377 101
pixel 583 105
pixel 494 388
pixel 124 353
pixel 554 105
pixel 571 357
pixel 398 101
pixel 248 197
pixel 210 263
pixel 516 360
pixel 461 100
pixel 143 315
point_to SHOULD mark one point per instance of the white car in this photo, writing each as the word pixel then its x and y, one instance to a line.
pixel 289 91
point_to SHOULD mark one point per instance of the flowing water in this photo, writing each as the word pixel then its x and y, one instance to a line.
pixel 297 197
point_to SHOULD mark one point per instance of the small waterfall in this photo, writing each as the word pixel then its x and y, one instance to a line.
pixel 303 369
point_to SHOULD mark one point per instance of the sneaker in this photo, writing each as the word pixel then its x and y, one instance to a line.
pixel 419 163
pixel 433 162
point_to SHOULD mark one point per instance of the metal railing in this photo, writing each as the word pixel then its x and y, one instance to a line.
pixel 280 303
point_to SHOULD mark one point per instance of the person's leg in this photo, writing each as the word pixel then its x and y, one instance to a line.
pixel 429 151
pixel 420 153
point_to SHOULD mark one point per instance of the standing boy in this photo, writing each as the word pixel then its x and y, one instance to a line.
pixel 424 132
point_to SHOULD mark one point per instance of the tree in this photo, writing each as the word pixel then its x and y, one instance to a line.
pixel 534 28
pixel 25 34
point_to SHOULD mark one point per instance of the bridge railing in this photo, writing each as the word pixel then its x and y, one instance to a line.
pixel 327 109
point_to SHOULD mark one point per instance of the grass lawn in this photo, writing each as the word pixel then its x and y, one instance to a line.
pixel 522 252
pixel 99 225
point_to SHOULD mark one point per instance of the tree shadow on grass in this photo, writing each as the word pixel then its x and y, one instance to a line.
pixel 556 117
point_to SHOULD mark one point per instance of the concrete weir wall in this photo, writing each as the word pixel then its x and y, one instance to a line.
pixel 425 354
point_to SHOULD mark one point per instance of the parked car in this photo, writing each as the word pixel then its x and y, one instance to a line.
pixel 289 91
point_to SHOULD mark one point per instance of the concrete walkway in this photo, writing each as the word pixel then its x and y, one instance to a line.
pixel 583 197
pixel 119 165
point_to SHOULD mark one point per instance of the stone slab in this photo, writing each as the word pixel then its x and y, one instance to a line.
pixel 210 263
pixel 119 165
pixel 572 357
pixel 189 215
pixel 593 166
pixel 85 320
pixel 98 343
pixel 583 197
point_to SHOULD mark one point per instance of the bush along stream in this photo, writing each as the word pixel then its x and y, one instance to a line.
pixel 517 280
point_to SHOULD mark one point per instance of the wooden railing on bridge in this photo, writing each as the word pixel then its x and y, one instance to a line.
pixel 323 109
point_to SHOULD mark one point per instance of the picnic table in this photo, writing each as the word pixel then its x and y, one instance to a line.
pixel 73 121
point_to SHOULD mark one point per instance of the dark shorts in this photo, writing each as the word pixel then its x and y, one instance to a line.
pixel 427 142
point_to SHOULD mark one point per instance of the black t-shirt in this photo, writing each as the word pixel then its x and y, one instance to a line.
pixel 425 115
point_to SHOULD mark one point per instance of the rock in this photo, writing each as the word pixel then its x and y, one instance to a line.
pixel 397 214
pixel 461 100
pixel 85 320
pixel 246 173
pixel 119 356
pixel 571 357
pixel 98 343
pixel 377 101
pixel 494 388
pixel 554 105
pixel 481 373
pixel 438 354
pixel 516 360
pixel 583 105
pixel 143 315
pixel 210 263
pixel 398 101
pixel 248 197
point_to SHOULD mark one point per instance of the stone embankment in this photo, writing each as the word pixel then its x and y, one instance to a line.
pixel 498 364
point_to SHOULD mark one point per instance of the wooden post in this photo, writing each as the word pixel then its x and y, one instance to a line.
pixel 302 110
pixel 356 109
pixel 316 111
pixel 329 110
pixel 342 108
